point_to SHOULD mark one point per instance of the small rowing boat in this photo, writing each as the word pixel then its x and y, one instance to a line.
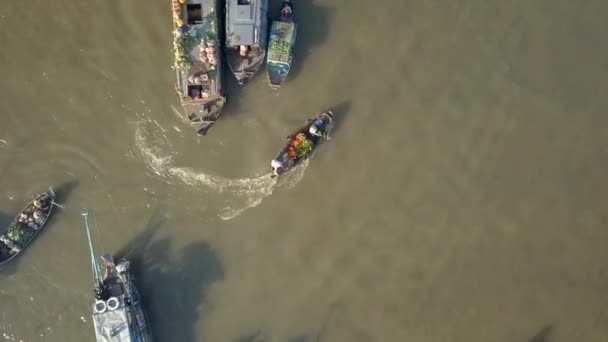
pixel 303 143
pixel 30 221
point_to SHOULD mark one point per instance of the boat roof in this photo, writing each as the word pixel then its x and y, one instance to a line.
pixel 281 41
pixel 207 28
pixel 245 20
pixel 113 325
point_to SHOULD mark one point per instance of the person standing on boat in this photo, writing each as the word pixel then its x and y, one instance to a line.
pixel 244 50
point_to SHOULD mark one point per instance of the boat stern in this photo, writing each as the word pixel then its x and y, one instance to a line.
pixel 277 73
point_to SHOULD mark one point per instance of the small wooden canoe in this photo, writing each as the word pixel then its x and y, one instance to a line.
pixel 302 144
pixel 26 226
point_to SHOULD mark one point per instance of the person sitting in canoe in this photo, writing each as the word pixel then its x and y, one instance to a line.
pixel 286 11
pixel 317 129
pixel 277 166
pixel 41 203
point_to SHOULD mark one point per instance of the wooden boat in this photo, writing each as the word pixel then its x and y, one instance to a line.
pixel 281 44
pixel 246 37
pixel 117 310
pixel 303 143
pixel 30 221
pixel 198 61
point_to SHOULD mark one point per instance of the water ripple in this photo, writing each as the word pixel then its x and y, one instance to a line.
pixel 153 147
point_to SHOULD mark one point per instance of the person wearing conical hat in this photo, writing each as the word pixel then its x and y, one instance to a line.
pixel 38 215
pixel 41 203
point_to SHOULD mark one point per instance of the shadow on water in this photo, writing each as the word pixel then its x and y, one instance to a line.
pixel 340 111
pixel 543 335
pixel 301 338
pixel 5 219
pixel 11 267
pixel 255 337
pixel 232 88
pixel 260 336
pixel 62 192
pixel 313 29
pixel 172 290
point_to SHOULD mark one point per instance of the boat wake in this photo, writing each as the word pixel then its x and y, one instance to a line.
pixel 153 146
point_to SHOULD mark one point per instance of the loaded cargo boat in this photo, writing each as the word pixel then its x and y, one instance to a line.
pixel 303 143
pixel 24 228
pixel 198 61
pixel 118 315
pixel 246 37
pixel 281 45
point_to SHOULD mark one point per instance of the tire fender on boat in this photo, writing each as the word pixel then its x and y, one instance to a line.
pixel 113 303
pixel 100 306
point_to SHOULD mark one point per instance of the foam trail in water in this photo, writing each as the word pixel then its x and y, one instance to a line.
pixel 249 191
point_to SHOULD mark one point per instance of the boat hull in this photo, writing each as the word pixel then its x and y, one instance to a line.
pixel 19 235
pixel 288 161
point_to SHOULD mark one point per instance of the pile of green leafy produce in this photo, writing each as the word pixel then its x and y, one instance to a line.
pixel 19 232
pixel 183 42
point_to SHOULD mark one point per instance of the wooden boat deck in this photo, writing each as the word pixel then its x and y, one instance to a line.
pixel 200 88
pixel 244 68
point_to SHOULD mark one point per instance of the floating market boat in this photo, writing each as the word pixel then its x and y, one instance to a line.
pixel 198 61
pixel 26 226
pixel 281 45
pixel 246 37
pixel 302 144
pixel 117 311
